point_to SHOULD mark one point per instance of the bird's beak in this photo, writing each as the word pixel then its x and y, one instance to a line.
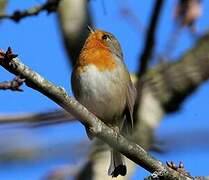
pixel 90 29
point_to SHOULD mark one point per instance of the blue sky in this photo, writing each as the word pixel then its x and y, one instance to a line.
pixel 38 43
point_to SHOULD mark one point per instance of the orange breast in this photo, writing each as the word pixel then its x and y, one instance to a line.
pixel 100 57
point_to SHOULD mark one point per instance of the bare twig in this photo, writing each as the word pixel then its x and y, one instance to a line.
pixel 97 127
pixel 49 6
pixel 13 85
pixel 150 38
pixel 39 119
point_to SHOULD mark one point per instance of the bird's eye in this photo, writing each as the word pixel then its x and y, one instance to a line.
pixel 105 37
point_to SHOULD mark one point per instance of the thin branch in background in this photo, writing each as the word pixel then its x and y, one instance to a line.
pixel 39 119
pixel 147 52
pixel 96 126
pixel 49 6
pixel 150 39
pixel 13 85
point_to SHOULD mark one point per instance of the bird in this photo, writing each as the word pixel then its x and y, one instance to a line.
pixel 101 82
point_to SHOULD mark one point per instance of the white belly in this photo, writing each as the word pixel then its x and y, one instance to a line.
pixel 103 93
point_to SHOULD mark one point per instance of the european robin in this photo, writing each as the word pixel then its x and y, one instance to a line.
pixel 101 82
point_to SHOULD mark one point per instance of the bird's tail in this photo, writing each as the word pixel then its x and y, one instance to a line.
pixel 117 164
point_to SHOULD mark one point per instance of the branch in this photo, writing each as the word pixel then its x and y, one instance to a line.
pixel 96 126
pixel 39 119
pixel 49 6
pixel 150 38
pixel 172 82
pixel 178 168
pixel 13 85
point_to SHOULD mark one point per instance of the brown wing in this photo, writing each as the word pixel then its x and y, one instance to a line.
pixel 128 113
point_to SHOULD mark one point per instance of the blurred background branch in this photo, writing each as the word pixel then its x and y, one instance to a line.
pixel 74 17
pixel 38 119
pixel 150 38
pixel 3 5
pixel 49 6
